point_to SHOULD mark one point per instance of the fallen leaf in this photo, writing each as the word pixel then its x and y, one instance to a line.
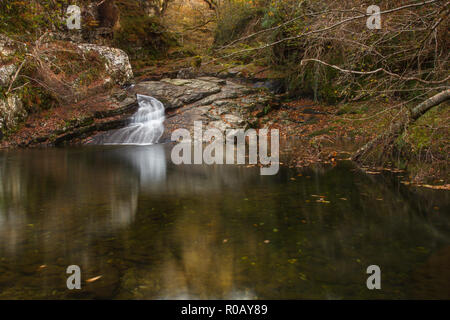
pixel 372 172
pixel 93 279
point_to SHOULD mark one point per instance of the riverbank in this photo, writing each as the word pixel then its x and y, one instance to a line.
pixel 318 133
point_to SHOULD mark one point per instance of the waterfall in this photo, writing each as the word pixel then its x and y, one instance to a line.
pixel 146 125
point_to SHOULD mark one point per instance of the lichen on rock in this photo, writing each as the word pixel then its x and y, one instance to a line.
pixel 11 112
pixel 117 63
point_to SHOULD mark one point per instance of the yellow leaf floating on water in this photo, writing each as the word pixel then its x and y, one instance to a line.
pixel 429 186
pixel 93 279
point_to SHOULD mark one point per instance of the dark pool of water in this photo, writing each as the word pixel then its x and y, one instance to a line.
pixel 153 230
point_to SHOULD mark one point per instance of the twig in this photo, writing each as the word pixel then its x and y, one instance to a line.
pixel 15 76
pixel 323 29
pixel 376 71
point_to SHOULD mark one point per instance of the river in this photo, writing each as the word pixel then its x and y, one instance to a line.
pixel 140 227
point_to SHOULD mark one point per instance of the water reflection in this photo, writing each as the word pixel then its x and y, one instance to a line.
pixel 153 230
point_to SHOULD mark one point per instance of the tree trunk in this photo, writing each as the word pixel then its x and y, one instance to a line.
pixel 399 127
pixel 418 111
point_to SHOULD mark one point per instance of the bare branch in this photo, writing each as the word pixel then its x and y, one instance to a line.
pixel 377 71
pixel 333 26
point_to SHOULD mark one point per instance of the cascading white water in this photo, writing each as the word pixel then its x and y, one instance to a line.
pixel 146 126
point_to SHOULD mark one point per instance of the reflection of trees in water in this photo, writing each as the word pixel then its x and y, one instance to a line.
pixel 61 192
pixel 200 231
pixel 12 206
pixel 325 257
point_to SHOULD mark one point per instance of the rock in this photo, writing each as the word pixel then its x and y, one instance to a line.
pixel 174 93
pixel 234 120
pixel 221 103
pixel 117 63
pixel 11 112
pixel 230 91
pixel 221 82
pixel 222 126
pixel 186 73
pixel 236 71
pixel 217 103
pixel 273 85
pixel 7 46
pixel 6 73
pixel 7 49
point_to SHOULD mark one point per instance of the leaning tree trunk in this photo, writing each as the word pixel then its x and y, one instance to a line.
pixel 399 127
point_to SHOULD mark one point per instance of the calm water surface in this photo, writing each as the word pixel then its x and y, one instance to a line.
pixel 153 230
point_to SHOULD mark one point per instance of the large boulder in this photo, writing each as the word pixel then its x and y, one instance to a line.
pixel 6 73
pixel 7 67
pixel 117 63
pixel 11 108
pixel 11 112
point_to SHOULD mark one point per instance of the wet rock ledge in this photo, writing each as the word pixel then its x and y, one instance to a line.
pixel 218 103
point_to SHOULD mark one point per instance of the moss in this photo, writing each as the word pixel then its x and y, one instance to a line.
pixel 352 109
pixel 321 132
pixel 196 62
